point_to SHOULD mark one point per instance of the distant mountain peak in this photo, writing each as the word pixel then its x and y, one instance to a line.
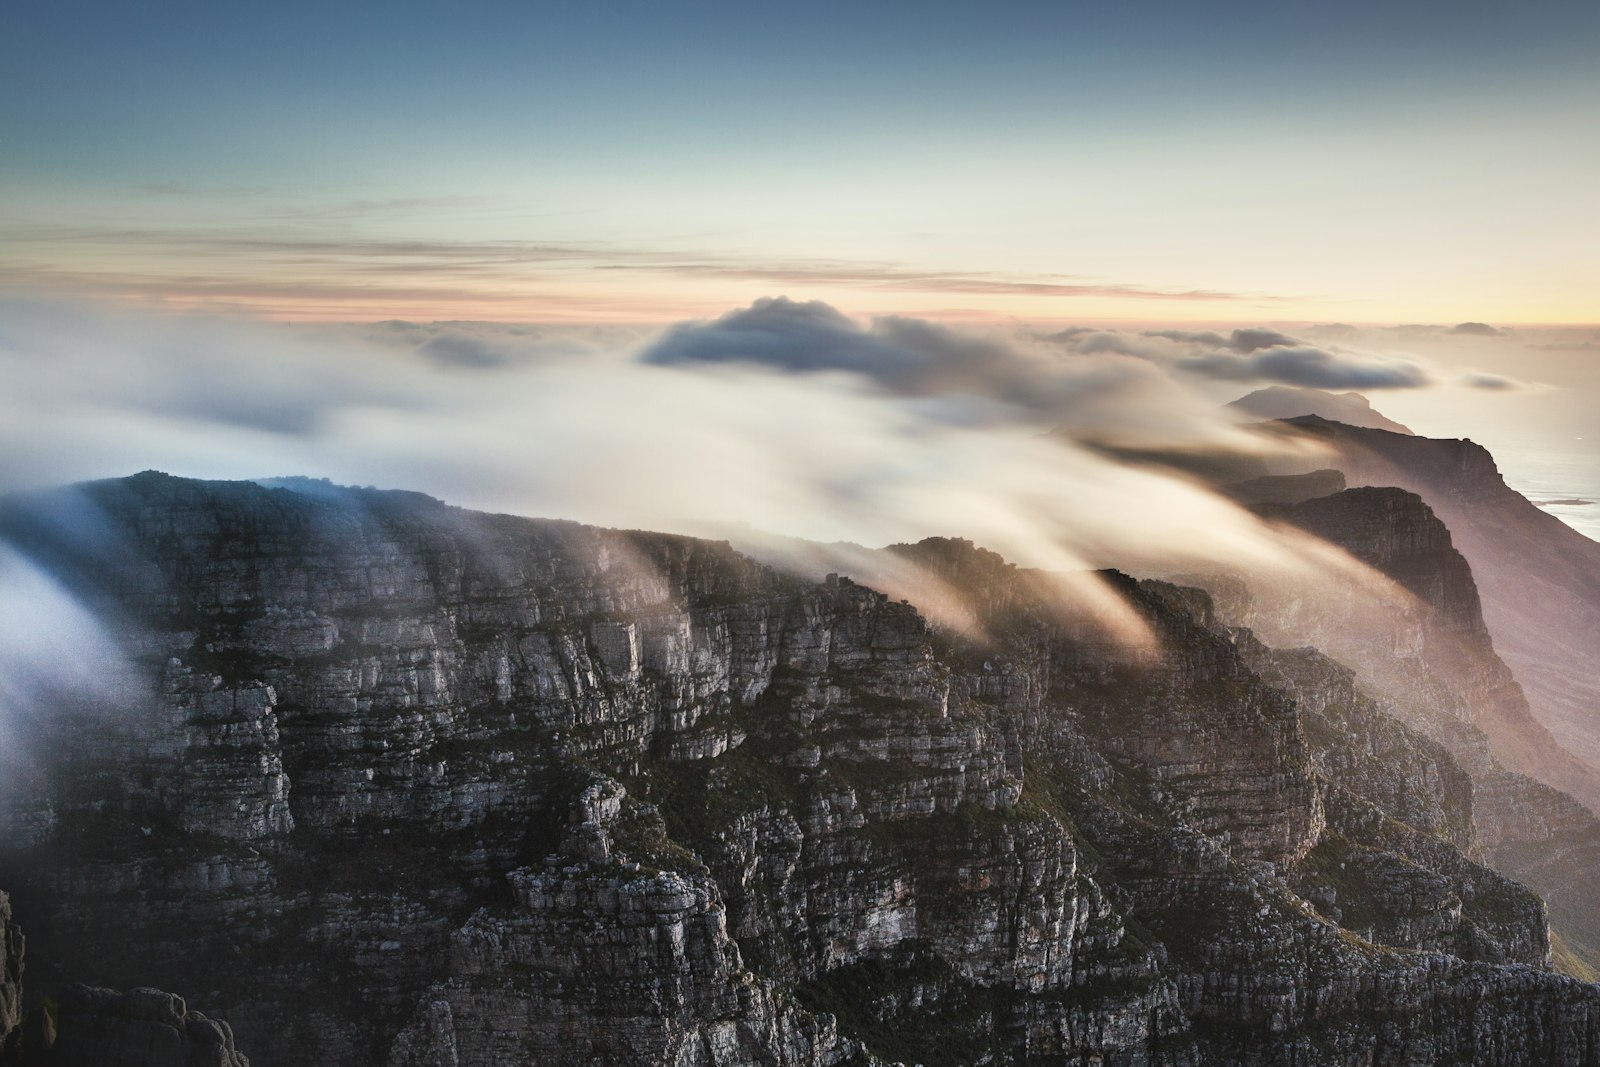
pixel 1288 401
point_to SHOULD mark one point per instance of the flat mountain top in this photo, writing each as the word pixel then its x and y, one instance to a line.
pixel 1287 402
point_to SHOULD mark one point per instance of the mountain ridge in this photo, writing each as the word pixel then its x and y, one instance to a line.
pixel 481 787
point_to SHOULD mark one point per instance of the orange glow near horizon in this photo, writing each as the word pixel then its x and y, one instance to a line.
pixel 583 301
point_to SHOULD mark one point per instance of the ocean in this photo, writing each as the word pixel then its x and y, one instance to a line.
pixel 1563 481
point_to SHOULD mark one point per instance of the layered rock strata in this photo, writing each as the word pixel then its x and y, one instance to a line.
pixel 391 783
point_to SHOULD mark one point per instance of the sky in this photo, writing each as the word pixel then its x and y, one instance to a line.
pixel 631 163
pixel 854 271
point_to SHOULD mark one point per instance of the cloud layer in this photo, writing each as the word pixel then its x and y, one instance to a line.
pixel 303 263
pixel 786 416
pixel 782 418
pixel 1307 365
pixel 1106 394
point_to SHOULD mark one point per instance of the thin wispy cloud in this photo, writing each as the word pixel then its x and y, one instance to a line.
pixel 279 265
pixel 887 277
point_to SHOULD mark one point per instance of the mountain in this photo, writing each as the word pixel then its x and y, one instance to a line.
pixel 1455 672
pixel 1508 674
pixel 1432 665
pixel 1539 579
pixel 382 781
pixel 1291 401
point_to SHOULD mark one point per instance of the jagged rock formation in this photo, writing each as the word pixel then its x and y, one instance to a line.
pixel 89 1027
pixel 392 783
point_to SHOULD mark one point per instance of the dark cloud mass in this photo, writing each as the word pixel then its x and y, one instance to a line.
pixel 1253 339
pixel 1306 365
pixel 1492 382
pixel 1076 390
pixel 789 335
pixel 461 350
pixel 1475 329
pixel 1261 354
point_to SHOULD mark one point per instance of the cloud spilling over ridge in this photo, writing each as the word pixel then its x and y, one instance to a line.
pixel 784 417
pixel 898 429
pixel 55 658
pixel 781 418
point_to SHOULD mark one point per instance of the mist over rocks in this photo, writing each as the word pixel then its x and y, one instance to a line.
pixel 578 794
pixel 1441 668
pixel 380 780
pixel 1287 402
pixel 715 536
pixel 1514 549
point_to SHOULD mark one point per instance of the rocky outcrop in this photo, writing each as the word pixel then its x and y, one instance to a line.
pixel 1286 488
pixel 10 971
pixel 1436 668
pixel 392 783
pixel 1288 401
pixel 1368 752
pixel 89 1027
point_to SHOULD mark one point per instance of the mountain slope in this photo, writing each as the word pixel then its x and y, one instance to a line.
pixel 394 783
pixel 1539 579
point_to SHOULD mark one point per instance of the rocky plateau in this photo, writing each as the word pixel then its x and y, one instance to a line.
pixel 385 783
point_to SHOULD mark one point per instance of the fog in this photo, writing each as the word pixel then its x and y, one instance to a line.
pixel 781 420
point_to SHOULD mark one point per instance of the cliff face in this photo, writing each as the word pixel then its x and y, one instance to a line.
pixel 1454 669
pixel 89 1027
pixel 1539 578
pixel 1439 670
pixel 391 783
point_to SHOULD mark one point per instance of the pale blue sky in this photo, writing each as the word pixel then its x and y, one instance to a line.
pixel 1221 162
